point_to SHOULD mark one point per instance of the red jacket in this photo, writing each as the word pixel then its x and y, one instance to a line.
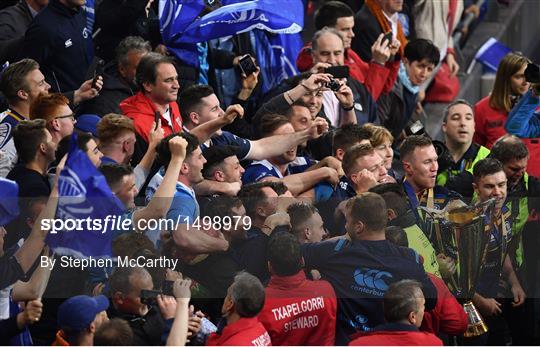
pixel 490 126
pixel 141 109
pixel 299 312
pixel 398 335
pixel 378 79
pixel 244 332
pixel 448 315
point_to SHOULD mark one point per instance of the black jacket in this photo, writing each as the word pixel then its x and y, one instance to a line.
pixel 62 45
pixel 14 21
pixel 150 330
pixel 114 91
pixel 117 19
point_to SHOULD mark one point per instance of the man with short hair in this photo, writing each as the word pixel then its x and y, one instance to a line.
pixel 458 130
pixel 222 164
pixel 404 305
pixel 351 102
pixel 244 301
pixel 378 76
pixel 348 136
pixel 148 323
pixel 396 108
pixel 114 332
pixel 490 182
pixel 184 208
pixel 36 150
pixel 260 201
pixel 157 80
pixel 200 106
pixel 306 222
pixel 116 135
pixel 122 181
pixel 420 164
pixel 54 109
pixel 315 322
pixel 300 174
pixel 79 318
pixel 400 215
pixel 362 266
pixel 363 169
pixel 21 84
pixel 117 140
pixel 119 77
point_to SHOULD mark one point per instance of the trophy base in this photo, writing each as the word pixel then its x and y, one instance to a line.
pixel 476 326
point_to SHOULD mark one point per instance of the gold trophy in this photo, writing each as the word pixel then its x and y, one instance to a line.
pixel 461 231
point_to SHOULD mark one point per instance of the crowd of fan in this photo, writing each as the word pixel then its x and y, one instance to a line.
pixel 323 185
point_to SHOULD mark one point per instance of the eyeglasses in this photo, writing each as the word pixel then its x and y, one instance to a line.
pixel 72 116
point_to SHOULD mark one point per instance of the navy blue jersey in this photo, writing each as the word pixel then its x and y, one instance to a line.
pixel 488 281
pixel 360 272
pixel 229 139
pixel 263 168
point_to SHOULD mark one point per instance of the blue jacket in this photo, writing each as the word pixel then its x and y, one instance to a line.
pixel 523 121
pixel 62 45
pixel 360 272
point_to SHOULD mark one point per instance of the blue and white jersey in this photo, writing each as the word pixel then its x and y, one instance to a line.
pixel 263 168
pixel 8 154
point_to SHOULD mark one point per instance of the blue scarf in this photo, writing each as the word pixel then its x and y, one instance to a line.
pixel 404 79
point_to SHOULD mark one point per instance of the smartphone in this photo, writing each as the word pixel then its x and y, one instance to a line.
pixel 247 65
pixel 338 71
pixel 149 297
pixel 157 117
pixel 98 72
pixel 388 37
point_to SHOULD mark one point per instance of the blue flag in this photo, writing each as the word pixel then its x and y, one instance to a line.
pixel 86 204
pixel 276 55
pixel 182 29
pixel 9 200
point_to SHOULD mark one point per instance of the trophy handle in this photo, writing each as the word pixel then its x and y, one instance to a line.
pixel 475 324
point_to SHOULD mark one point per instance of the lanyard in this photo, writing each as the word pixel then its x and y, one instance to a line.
pixel 503 237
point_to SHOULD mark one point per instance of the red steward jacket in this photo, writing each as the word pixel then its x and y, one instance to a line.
pixel 396 335
pixel 377 79
pixel 448 315
pixel 141 109
pixel 244 332
pixel 299 312
pixel 489 126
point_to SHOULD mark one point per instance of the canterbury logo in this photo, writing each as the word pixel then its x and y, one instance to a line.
pixel 370 278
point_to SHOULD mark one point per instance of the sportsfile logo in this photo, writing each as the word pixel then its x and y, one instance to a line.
pixel 371 281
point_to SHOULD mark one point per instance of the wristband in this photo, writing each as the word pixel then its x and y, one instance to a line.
pixel 347 108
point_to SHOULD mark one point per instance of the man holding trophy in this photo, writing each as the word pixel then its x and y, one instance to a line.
pixel 490 182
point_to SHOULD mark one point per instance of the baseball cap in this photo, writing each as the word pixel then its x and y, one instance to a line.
pixel 88 123
pixel 78 312
pixel 9 200
pixel 216 154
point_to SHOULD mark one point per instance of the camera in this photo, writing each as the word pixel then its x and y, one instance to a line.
pixel 149 297
pixel 333 85
pixel 532 75
pixel 415 128
pixel 445 159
